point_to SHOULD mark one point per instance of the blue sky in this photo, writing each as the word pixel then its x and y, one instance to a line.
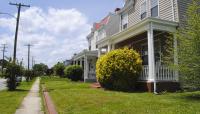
pixel 93 9
pixel 56 28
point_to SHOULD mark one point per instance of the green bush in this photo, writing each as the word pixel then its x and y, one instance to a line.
pixel 12 71
pixel 119 69
pixel 59 69
pixel 74 72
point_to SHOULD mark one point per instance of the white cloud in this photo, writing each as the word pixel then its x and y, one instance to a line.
pixel 56 34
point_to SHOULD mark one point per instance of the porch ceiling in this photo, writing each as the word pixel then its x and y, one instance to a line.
pixel 141 27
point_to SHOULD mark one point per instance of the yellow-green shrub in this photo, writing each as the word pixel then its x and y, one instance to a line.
pixel 119 69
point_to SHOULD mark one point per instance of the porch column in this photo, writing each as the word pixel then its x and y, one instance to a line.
pixel 176 57
pixel 85 67
pixel 81 62
pixel 99 52
pixel 113 46
pixel 109 48
pixel 151 57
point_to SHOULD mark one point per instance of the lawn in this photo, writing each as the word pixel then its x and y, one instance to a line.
pixel 78 98
pixel 10 101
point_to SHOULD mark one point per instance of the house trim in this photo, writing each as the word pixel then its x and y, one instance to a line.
pixel 157 24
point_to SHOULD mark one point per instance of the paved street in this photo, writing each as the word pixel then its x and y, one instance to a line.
pixel 2 84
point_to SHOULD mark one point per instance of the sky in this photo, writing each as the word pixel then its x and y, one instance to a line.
pixel 56 28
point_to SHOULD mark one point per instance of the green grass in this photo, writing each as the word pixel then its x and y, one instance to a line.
pixel 10 101
pixel 79 98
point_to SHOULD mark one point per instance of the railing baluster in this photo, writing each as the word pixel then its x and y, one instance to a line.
pixel 163 73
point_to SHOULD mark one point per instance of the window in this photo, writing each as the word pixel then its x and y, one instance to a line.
pixel 124 21
pixel 154 8
pixel 143 10
pixel 101 34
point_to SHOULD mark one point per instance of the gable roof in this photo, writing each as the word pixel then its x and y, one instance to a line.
pixel 102 22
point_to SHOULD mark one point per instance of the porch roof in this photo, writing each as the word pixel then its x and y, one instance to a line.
pixel 85 53
pixel 158 24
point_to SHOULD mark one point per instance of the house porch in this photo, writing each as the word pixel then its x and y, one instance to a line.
pixel 149 39
pixel 87 60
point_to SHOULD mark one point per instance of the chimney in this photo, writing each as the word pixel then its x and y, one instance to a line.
pixel 117 10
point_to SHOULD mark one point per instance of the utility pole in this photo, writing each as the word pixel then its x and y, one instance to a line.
pixel 19 5
pixel 3 50
pixel 29 46
pixel 32 61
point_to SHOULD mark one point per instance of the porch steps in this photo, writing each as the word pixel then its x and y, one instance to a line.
pixel 95 85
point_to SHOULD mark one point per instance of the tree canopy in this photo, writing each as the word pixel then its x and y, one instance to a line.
pixel 188 38
pixel 40 69
pixel 59 69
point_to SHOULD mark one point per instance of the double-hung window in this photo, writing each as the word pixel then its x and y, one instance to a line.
pixel 124 21
pixel 144 10
pixel 154 8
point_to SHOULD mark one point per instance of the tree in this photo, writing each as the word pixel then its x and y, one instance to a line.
pixel 3 64
pixel 28 74
pixel 12 71
pixel 59 69
pixel 49 72
pixel 40 69
pixel 188 37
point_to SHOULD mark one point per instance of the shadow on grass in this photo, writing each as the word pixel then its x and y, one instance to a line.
pixel 194 97
pixel 20 90
pixel 189 97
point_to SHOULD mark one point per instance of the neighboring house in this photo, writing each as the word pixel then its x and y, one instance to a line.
pixel 87 58
pixel 145 25
pixel 67 62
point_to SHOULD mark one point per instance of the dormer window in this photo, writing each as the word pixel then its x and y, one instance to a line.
pixel 124 21
pixel 144 10
pixel 154 8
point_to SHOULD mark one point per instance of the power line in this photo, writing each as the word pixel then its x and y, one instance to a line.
pixel 19 5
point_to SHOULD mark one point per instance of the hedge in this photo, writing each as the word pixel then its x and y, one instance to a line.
pixel 119 69
pixel 74 72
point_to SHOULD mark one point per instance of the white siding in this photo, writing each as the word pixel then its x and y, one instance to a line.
pixel 134 13
pixel 93 41
pixel 166 10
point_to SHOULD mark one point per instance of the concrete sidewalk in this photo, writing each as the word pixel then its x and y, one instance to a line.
pixel 32 102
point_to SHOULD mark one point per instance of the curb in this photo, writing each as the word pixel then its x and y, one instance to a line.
pixel 48 103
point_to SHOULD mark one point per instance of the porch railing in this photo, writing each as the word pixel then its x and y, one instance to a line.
pixel 163 73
